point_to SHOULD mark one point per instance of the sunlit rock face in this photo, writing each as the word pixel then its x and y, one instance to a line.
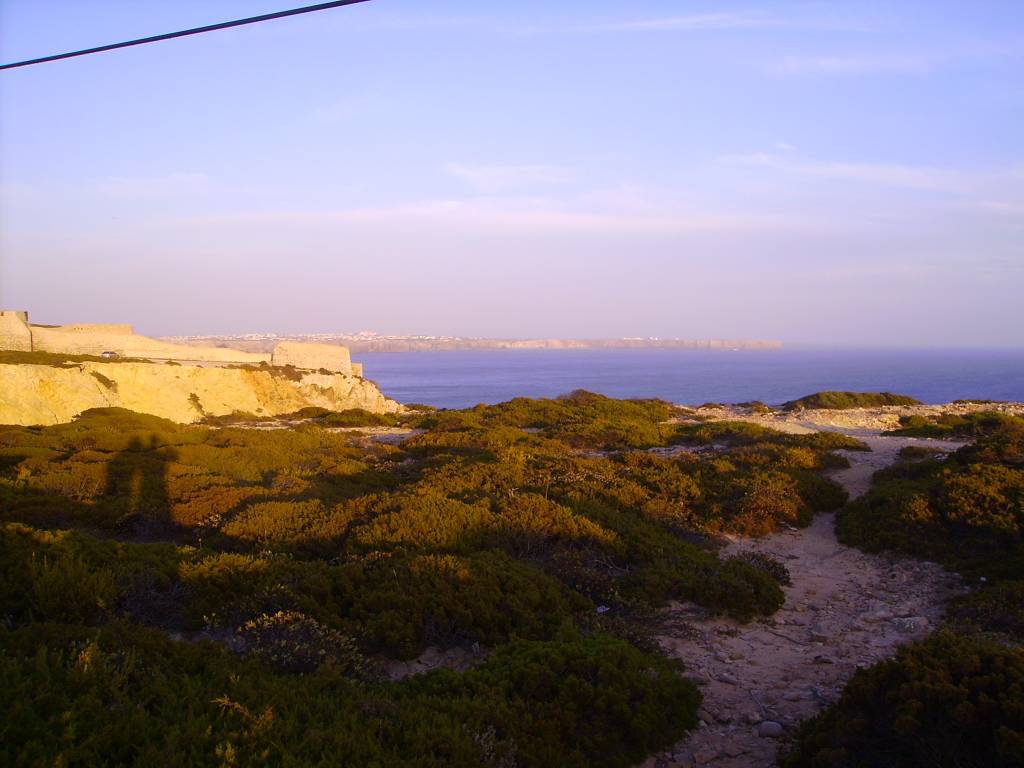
pixel 46 394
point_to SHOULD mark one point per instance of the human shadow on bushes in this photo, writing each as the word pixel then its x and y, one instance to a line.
pixel 136 484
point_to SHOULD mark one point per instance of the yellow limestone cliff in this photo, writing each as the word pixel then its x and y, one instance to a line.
pixel 47 394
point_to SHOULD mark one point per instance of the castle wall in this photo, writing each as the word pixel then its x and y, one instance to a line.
pixel 87 328
pixel 313 356
pixel 95 340
pixel 14 331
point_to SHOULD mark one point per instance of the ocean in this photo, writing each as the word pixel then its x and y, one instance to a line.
pixel 462 379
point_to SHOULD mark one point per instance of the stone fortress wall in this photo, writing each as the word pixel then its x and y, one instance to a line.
pixel 16 333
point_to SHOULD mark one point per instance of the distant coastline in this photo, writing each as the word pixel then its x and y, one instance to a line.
pixel 373 342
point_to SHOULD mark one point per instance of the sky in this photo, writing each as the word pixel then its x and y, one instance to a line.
pixel 847 173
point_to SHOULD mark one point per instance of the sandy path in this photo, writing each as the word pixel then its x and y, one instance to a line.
pixel 846 609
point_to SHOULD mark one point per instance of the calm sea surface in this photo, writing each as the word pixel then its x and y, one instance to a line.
pixel 460 379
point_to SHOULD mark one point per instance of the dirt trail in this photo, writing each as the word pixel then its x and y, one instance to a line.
pixel 846 609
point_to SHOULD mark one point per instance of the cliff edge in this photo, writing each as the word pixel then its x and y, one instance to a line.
pixel 32 394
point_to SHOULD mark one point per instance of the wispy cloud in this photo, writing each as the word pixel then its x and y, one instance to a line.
pixel 727 20
pixel 700 21
pixel 524 216
pixel 998 191
pixel 881 174
pixel 866 64
pixel 503 178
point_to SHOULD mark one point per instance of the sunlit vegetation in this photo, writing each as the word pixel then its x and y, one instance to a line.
pixel 844 400
pixel 58 359
pixel 300 562
pixel 756 406
pixel 918 452
pixel 954 425
pixel 289 372
pixel 353 417
pixel 966 511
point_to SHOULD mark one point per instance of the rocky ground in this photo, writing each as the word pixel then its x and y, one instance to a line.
pixel 846 609
pixel 853 421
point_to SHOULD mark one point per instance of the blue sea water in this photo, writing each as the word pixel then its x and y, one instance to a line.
pixel 461 379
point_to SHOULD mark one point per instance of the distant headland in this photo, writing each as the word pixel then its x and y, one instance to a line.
pixel 368 341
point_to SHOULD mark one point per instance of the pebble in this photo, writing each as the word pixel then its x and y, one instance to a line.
pixel 911 624
pixel 705 755
pixel 769 729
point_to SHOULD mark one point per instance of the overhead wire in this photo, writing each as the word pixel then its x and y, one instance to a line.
pixel 184 33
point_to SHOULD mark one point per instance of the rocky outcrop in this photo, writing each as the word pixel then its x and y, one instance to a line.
pixel 46 394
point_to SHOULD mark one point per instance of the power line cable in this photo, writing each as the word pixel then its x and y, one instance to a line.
pixel 185 32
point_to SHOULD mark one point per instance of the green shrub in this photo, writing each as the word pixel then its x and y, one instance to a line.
pixel 845 400
pixel 292 642
pixel 125 696
pixel 943 702
pixel 357 417
pixel 966 512
pixel 996 608
pixel 952 425
pixel 770 565
pixel 918 452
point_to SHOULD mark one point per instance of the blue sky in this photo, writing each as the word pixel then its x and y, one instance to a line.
pixel 848 173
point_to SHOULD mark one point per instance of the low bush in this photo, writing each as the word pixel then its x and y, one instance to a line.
pixel 844 400
pixel 953 425
pixel 770 565
pixel 122 695
pixel 965 511
pixel 918 452
pixel 991 608
pixel 945 702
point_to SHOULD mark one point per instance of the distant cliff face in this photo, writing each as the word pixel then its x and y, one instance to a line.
pixel 45 394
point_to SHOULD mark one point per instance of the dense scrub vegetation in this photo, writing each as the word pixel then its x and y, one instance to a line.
pixel 966 511
pixel 955 699
pixel 844 400
pixel 300 563
pixel 946 702
pixel 353 417
pixel 954 425
pixel 125 695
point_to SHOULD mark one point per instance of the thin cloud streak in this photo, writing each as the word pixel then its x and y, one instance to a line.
pixel 526 217
pixel 867 64
pixel 499 178
pixel 905 176
pixel 702 22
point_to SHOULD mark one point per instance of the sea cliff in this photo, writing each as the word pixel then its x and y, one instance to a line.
pixel 49 394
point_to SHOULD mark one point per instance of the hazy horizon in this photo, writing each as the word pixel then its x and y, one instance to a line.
pixel 842 174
